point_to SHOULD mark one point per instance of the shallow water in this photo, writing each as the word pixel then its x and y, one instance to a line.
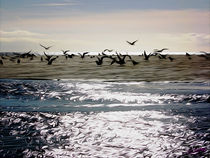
pixel 198 68
pixel 155 109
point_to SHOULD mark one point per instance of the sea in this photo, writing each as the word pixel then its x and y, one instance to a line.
pixel 75 108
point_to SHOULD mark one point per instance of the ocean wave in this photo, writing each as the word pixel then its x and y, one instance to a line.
pixel 109 134
pixel 104 93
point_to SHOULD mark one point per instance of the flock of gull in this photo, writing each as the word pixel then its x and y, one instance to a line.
pixel 116 58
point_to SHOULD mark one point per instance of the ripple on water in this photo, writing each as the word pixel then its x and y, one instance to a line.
pixel 104 134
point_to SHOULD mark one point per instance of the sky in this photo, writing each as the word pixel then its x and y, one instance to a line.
pixel 93 25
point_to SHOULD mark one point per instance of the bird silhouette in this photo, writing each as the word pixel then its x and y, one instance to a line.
pixel 133 61
pixel 160 50
pixel 146 57
pixel 205 55
pixel 46 48
pixel 70 55
pixel 48 57
pixel 51 60
pixel 83 55
pixel 161 56
pixel 109 50
pixel 18 61
pixel 3 57
pixel 65 51
pixel 100 60
pixel 1 62
pixel 132 43
pixel 188 55
pixel 171 59
pixel 25 54
pixel 121 59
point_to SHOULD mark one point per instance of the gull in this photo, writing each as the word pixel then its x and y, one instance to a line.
pixel 18 61
pixel 83 55
pixel 46 48
pixel 25 54
pixel 120 60
pixel 109 50
pixel 133 61
pixel 65 51
pixel 170 58
pixel 51 60
pixel 188 55
pixel 161 56
pixel 146 57
pixel 160 50
pixel 205 55
pixel 100 60
pixel 132 43
pixel 1 62
pixel 70 55
pixel 48 57
pixel 3 57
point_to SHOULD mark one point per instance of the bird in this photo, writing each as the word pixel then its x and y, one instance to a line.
pixel 100 60
pixel 161 56
pixel 18 61
pixel 133 61
pixel 188 55
pixel 170 58
pixel 46 48
pixel 65 51
pixel 25 54
pixel 103 53
pixel 1 62
pixel 70 55
pixel 120 61
pixel 83 55
pixel 132 43
pixel 3 57
pixel 109 50
pixel 146 57
pixel 205 55
pixel 51 60
pixel 48 57
pixel 160 50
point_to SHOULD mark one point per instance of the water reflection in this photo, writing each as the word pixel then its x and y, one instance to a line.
pixel 108 134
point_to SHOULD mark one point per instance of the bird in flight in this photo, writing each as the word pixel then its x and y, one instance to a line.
pixel 188 55
pixel 100 60
pixel 65 51
pixel 46 48
pixel 146 57
pixel 109 50
pixel 132 43
pixel 83 55
pixel 160 50
pixel 170 58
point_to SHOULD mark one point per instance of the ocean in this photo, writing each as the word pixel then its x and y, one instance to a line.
pixel 75 108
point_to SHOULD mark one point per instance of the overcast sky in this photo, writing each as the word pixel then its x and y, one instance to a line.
pixel 93 25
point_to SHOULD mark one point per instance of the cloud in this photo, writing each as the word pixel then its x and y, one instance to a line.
pixel 57 4
pixel 129 21
pixel 19 33
pixel 183 30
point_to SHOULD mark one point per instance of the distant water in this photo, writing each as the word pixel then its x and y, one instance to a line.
pixel 74 108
